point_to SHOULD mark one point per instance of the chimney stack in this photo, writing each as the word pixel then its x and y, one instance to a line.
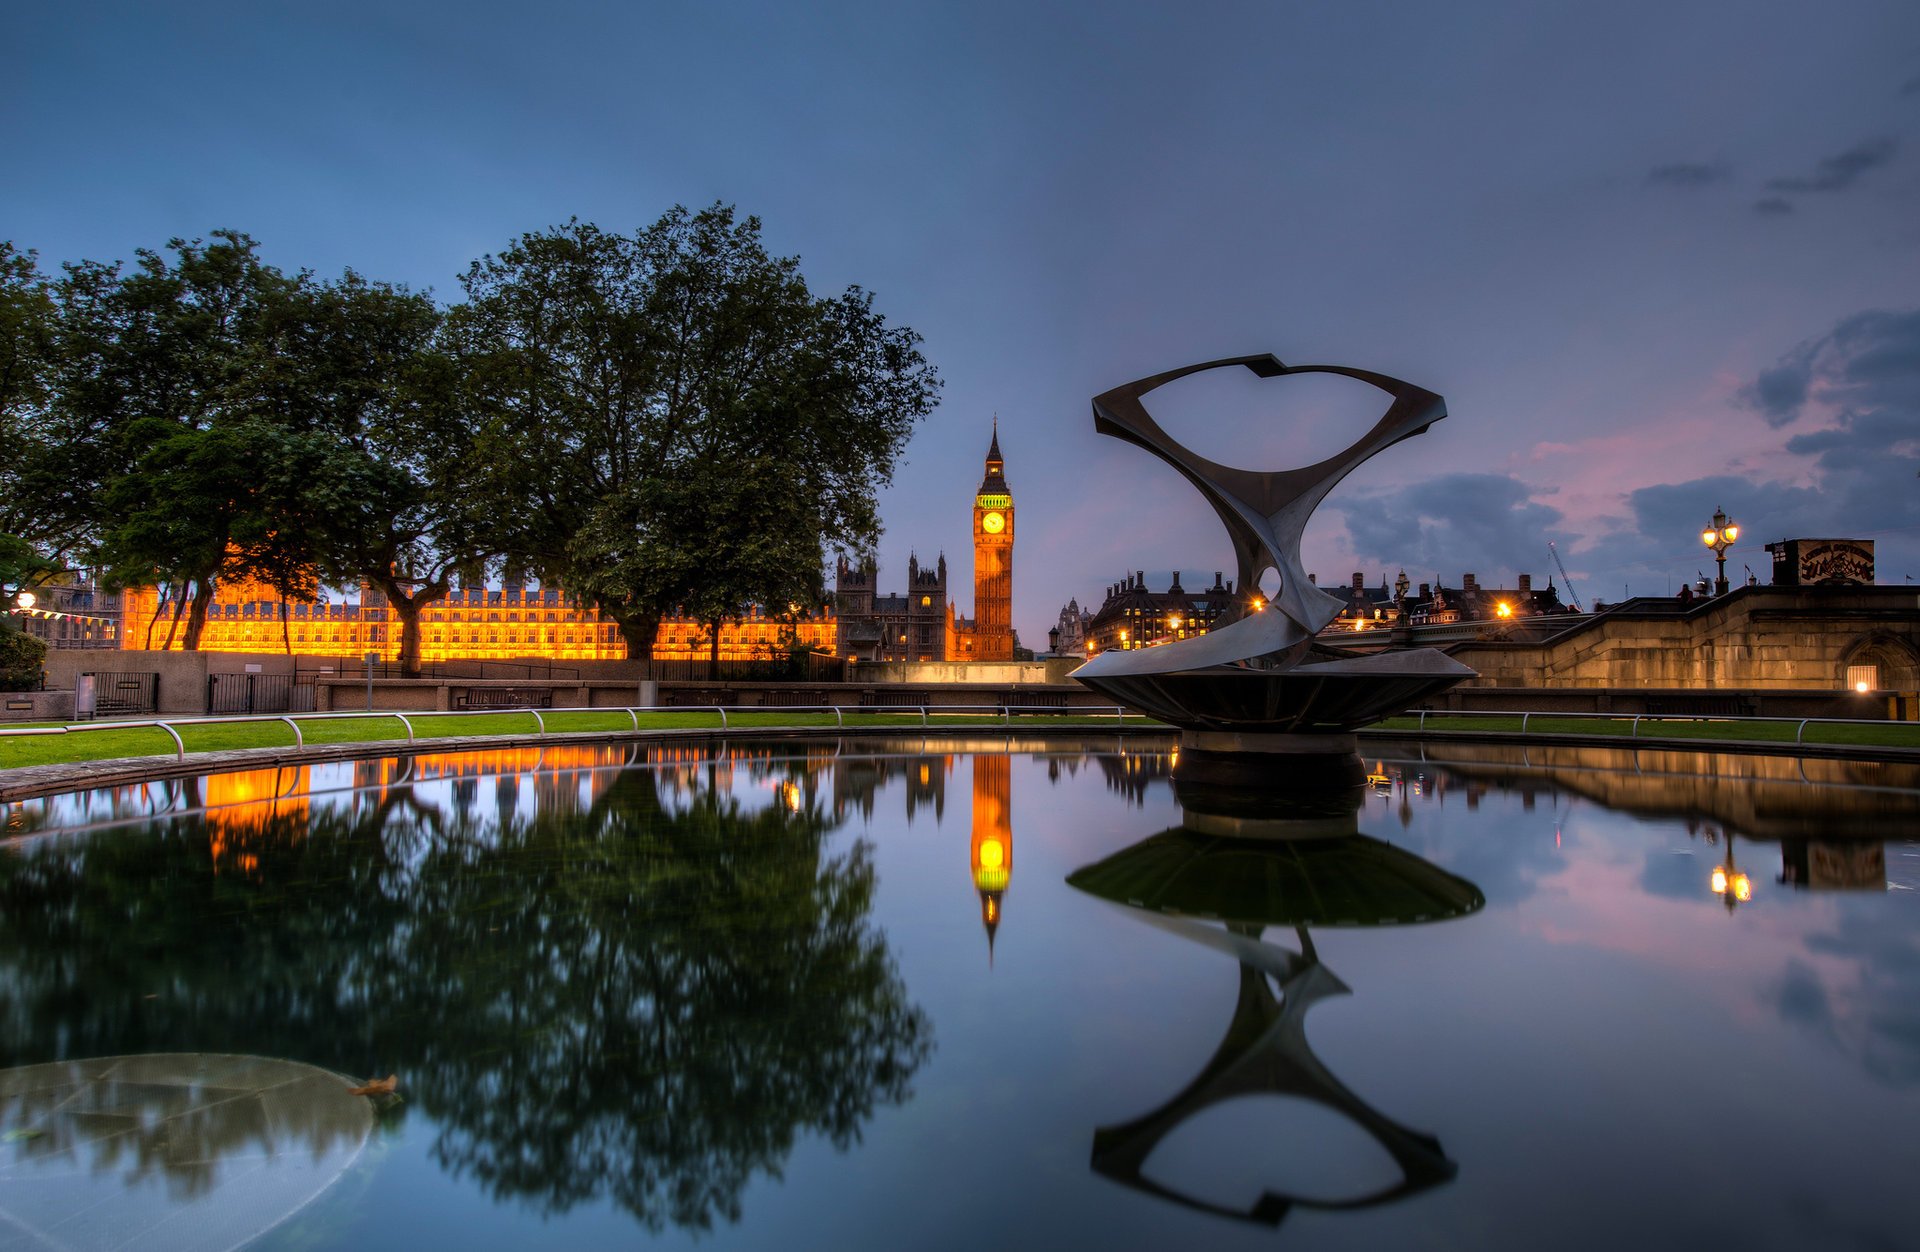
pixel 1469 583
pixel 1526 584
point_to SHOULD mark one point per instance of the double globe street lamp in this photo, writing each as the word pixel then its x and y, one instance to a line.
pixel 1719 535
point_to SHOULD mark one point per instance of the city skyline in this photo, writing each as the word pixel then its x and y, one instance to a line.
pixel 1657 262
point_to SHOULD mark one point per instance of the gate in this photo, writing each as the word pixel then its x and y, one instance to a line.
pixel 257 693
pixel 118 693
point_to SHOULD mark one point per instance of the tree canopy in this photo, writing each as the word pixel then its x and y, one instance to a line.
pixel 683 422
pixel 660 422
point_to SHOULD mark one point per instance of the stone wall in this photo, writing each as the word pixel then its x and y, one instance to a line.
pixel 1755 638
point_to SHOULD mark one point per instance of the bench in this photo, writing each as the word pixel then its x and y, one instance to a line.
pixel 507 698
pixel 884 699
pixel 1699 706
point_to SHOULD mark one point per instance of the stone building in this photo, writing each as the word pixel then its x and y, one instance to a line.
pixel 1132 616
pixel 469 624
pixel 1072 628
pixel 74 613
pixel 871 626
pixel 923 625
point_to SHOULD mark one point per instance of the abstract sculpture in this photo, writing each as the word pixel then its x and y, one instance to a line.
pixel 1258 682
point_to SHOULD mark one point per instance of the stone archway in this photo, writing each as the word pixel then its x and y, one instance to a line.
pixel 1895 660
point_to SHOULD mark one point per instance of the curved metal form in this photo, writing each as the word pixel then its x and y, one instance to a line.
pixel 1230 677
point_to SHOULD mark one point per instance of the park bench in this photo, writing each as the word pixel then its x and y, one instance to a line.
pixel 1699 706
pixel 507 698
pixel 887 699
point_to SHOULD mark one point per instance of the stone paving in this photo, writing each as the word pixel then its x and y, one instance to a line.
pixel 184 1150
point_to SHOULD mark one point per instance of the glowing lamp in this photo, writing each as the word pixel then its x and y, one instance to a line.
pixel 1258 604
pixel 1505 609
pixel 1860 687
pixel 992 855
pixel 1707 537
pixel 1719 881
pixel 25 600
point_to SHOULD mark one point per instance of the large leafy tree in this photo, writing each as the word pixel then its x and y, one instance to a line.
pixel 40 520
pixel 680 420
pixel 164 385
pixel 382 480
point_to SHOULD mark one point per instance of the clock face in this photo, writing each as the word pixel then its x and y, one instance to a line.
pixel 993 523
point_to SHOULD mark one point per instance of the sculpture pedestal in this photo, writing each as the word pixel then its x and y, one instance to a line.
pixel 1266 763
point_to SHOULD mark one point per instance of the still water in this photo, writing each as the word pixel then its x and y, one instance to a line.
pixel 935 994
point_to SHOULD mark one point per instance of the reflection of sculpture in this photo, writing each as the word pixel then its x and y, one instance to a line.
pixel 1178 877
pixel 1259 672
pixel 242 1142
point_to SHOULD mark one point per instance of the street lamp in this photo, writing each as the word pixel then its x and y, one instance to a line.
pixel 1719 535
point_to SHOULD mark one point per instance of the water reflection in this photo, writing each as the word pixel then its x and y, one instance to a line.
pixel 598 983
pixel 1309 869
pixel 155 1151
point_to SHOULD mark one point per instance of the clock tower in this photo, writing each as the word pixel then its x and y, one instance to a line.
pixel 993 560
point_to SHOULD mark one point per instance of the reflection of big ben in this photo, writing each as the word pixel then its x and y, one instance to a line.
pixel 993 560
pixel 992 836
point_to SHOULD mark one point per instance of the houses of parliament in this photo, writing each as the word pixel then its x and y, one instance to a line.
pixel 514 621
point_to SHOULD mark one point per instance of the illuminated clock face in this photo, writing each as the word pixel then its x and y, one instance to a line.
pixel 993 523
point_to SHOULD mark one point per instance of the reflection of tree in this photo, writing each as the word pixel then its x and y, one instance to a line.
pixel 630 1003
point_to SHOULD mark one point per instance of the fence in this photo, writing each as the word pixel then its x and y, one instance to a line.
pixel 116 693
pixel 259 693
pixel 971 716
pixel 805 667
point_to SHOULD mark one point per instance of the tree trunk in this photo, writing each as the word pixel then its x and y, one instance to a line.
pixel 713 651
pixel 409 608
pixel 154 620
pixel 197 619
pixel 638 628
pixel 286 631
pixel 179 606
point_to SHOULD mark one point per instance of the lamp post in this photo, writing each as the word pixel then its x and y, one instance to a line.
pixel 1719 535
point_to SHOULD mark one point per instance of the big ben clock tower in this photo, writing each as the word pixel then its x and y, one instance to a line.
pixel 993 560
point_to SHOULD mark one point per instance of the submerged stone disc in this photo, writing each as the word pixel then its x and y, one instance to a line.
pixel 187 1150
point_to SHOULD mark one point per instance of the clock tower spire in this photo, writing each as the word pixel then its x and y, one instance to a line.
pixel 993 559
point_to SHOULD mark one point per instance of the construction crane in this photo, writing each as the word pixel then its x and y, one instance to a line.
pixel 1573 597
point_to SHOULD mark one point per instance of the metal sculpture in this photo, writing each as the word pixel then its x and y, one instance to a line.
pixel 1259 671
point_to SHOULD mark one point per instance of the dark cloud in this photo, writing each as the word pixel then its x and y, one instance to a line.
pixel 1482 523
pixel 1689 174
pixel 1841 171
pixel 1864 378
pixel 1779 394
pixel 1772 206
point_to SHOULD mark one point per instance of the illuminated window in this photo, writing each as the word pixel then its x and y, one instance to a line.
pixel 1863 677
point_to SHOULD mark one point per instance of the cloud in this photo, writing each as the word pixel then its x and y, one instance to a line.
pixel 1857 388
pixel 1689 174
pixel 1841 171
pixel 1772 206
pixel 1780 393
pixel 1484 523
pixel 1911 87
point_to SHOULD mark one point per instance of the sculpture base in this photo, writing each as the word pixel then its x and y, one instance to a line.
pixel 1269 786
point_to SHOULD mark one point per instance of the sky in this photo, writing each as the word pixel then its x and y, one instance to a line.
pixel 1659 258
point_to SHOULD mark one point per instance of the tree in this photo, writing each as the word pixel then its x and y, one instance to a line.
pixel 163 375
pixel 665 402
pixel 38 522
pixel 383 486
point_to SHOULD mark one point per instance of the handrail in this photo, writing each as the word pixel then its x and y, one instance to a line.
pixel 410 721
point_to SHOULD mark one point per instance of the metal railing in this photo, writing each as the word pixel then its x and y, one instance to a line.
pixel 978 714
pixel 1800 724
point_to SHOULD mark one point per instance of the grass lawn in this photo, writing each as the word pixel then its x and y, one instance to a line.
pixel 1879 734
pixel 109 743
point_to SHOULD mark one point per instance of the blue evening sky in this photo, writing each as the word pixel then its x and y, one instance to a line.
pixel 1658 256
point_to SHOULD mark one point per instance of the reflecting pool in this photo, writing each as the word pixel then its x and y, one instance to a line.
pixel 935 993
